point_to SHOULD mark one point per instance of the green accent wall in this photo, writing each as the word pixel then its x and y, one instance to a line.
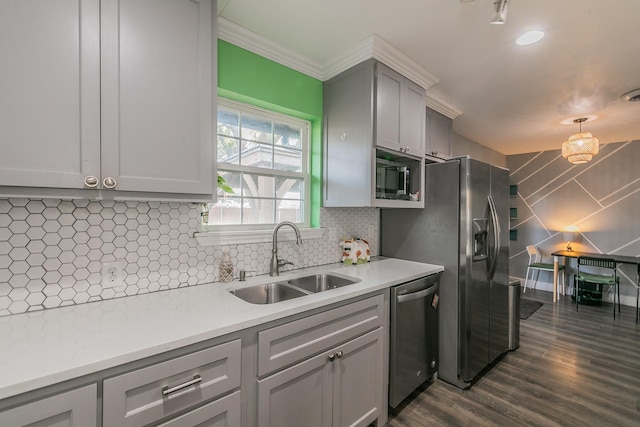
pixel 246 77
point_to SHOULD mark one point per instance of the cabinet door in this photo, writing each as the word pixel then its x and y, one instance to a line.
pixel 73 408
pixel 413 118
pixel 389 86
pixel 158 95
pixel 298 396
pixel 348 133
pixel 49 92
pixel 438 135
pixel 358 384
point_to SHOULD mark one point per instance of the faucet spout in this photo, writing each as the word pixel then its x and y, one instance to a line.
pixel 275 264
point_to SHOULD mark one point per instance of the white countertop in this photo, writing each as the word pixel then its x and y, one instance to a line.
pixel 42 348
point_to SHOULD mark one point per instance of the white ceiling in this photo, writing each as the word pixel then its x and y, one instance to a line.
pixel 512 98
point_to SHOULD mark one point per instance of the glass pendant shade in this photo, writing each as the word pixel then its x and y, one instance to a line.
pixel 580 148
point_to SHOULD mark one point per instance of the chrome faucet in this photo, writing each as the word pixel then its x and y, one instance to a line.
pixel 275 262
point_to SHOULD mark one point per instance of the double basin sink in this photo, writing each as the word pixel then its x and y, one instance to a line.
pixel 271 293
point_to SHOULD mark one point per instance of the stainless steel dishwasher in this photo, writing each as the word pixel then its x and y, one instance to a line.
pixel 413 346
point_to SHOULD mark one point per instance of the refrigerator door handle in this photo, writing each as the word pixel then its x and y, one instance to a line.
pixel 496 237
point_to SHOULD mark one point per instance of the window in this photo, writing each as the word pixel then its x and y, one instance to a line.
pixel 263 156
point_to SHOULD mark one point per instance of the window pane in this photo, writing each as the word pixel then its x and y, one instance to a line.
pixel 287 160
pixel 258 211
pixel 289 188
pixel 233 180
pixel 228 123
pixel 258 186
pixel 257 155
pixel 290 210
pixel 287 135
pixel 228 150
pixel 257 129
pixel 250 140
pixel 227 210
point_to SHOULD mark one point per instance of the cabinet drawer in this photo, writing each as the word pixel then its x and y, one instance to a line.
pixel 150 394
pixel 73 408
pixel 289 343
pixel 219 413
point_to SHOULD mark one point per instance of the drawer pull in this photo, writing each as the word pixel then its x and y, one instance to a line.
pixel 166 391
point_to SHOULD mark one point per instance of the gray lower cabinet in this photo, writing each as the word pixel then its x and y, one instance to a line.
pixel 224 412
pixel 339 387
pixel 438 135
pixel 337 378
pixel 104 95
pixel 148 395
pixel 72 408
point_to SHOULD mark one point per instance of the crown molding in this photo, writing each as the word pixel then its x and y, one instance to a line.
pixel 441 106
pixel 373 46
pixel 378 48
pixel 396 59
pixel 241 37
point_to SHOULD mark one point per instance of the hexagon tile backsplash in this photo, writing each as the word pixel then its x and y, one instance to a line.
pixel 52 251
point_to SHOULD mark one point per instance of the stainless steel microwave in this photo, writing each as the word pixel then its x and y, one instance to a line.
pixel 393 180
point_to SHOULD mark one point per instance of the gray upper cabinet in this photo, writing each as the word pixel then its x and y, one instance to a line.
pixel 369 108
pixel 157 95
pixel 49 93
pixel 105 95
pixel 399 112
pixel 438 135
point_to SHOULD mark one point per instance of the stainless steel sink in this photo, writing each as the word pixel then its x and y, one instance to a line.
pixel 321 282
pixel 268 294
pixel 294 288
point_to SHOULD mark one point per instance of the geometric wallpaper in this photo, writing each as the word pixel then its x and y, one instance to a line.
pixel 601 199
pixel 51 250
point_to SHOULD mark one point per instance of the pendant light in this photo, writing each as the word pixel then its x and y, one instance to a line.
pixel 581 146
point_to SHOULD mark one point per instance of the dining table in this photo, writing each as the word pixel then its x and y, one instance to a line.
pixel 620 259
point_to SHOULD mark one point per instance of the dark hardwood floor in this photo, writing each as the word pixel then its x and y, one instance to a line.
pixel 572 369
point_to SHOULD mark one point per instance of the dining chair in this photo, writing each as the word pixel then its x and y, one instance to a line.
pixel 606 275
pixel 535 266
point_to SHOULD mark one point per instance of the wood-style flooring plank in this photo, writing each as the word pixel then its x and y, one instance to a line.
pixel 571 369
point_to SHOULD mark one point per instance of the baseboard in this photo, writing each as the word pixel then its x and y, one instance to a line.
pixel 627 300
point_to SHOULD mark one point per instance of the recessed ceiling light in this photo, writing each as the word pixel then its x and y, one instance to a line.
pixel 530 37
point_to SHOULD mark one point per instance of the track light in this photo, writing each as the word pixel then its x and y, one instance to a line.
pixel 500 14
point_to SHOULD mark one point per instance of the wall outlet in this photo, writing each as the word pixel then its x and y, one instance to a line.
pixel 112 274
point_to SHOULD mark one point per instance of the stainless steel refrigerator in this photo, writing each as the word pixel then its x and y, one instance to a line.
pixel 464 226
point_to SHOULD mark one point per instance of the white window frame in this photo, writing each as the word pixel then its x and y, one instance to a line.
pixel 255 233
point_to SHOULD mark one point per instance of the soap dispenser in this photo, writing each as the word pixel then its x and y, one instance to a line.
pixel 225 270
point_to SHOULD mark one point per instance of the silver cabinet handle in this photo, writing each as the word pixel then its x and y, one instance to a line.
pixel 91 181
pixel 332 357
pixel 166 391
pixel 339 354
pixel 109 182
